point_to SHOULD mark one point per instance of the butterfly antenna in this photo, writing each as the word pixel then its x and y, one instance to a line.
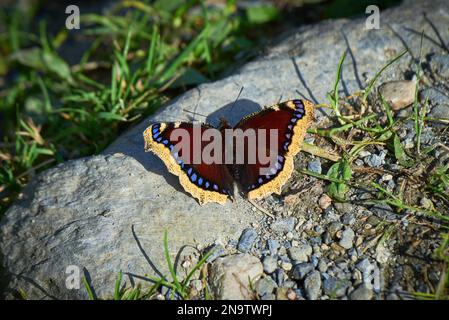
pixel 280 99
pixel 238 96
pixel 194 113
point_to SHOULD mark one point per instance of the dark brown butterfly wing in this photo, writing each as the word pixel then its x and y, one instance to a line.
pixel 290 119
pixel 206 182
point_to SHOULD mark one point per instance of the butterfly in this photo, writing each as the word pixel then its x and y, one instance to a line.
pixel 213 181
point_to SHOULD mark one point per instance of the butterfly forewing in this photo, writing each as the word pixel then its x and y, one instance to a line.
pixel 180 147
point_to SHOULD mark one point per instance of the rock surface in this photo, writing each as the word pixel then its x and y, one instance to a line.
pixel 108 213
pixel 230 277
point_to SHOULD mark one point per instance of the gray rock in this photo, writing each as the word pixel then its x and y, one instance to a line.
pixel 301 253
pixel 247 240
pixel 322 265
pixel 327 239
pixel 348 219
pixel 315 166
pixel 374 160
pixel 269 264
pixel 335 287
pixel 361 293
pixel 312 285
pixel 230 276
pixel 440 65
pixel 279 276
pixel 299 271
pixel 343 207
pixel 319 229
pixel 101 215
pixel 333 227
pixel 440 111
pixel 273 246
pixel 283 225
pixel 347 238
pixel 382 210
pixel 314 260
pixel 265 288
pixel 435 96
pixel 108 212
pixel 370 273
pixel 290 284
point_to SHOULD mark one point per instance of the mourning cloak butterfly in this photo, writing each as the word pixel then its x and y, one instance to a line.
pixel 213 181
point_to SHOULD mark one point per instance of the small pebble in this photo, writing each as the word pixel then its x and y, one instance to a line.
pixel 269 264
pixel 287 266
pixel 301 270
pixel 265 287
pixel 374 161
pixel 273 246
pixel 325 201
pixel 335 287
pixel 312 285
pixel 315 166
pixel 347 238
pixel 399 94
pixel 301 253
pixel 322 265
pixel 247 240
pixel 362 293
pixel 291 294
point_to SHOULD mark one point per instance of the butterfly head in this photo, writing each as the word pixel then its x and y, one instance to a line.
pixel 224 124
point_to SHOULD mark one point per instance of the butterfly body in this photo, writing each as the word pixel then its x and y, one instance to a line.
pixel 238 159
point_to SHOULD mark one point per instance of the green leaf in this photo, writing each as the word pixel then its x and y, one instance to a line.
pixel 45 61
pixel 89 290
pixel 118 281
pixel 261 14
pixel 399 152
pixel 111 116
pixel 341 171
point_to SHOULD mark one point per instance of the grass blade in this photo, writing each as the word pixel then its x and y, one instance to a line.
pixel 373 81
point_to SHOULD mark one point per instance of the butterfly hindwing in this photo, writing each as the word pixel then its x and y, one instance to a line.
pixel 290 119
pixel 206 182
